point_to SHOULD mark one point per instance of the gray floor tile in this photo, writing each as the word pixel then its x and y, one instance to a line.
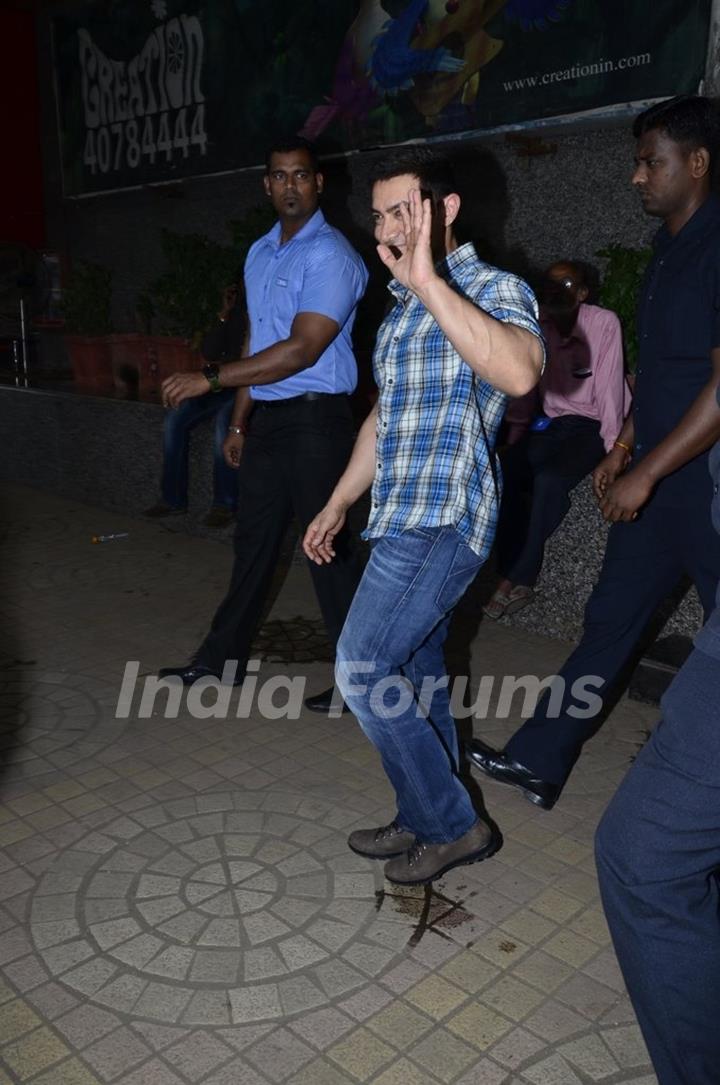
pixel 177 900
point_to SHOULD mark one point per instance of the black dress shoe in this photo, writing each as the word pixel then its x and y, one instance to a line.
pixel 325 701
pixel 192 671
pixel 500 767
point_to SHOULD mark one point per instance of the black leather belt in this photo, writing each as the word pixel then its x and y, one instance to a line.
pixel 306 397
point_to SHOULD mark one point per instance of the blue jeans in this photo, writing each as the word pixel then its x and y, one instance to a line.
pixel 391 642
pixel 176 446
pixel 658 857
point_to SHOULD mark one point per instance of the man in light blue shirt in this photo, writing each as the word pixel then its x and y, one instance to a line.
pixel 291 431
pixel 317 271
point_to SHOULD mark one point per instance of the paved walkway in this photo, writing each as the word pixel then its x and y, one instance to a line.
pixel 177 901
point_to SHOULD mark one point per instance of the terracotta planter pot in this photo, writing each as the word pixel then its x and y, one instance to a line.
pixel 140 363
pixel 174 356
pixel 133 366
pixel 91 362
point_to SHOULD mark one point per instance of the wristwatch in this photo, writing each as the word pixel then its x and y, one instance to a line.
pixel 211 372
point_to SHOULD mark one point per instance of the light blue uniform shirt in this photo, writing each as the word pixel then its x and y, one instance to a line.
pixel 317 271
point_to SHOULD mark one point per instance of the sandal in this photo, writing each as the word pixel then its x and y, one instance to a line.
pixel 496 605
pixel 520 596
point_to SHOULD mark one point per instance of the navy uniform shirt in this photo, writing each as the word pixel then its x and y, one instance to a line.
pixel 678 325
pixel 708 639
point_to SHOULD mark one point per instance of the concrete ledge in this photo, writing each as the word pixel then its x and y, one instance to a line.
pixel 573 558
pixel 107 452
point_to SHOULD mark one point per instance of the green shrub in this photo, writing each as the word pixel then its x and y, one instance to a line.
pixel 186 297
pixel 86 299
pixel 624 270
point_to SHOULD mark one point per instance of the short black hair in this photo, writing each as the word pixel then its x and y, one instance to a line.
pixel 586 275
pixel 287 146
pixel 432 169
pixel 578 267
pixel 688 119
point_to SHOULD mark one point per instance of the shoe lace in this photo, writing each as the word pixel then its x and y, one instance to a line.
pixel 416 852
pixel 387 830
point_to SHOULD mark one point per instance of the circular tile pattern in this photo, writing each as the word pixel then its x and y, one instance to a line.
pixel 231 889
pixel 293 640
pixel 250 903
pixel 227 891
pixel 49 711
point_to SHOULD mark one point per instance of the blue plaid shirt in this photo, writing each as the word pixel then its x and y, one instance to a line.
pixel 437 420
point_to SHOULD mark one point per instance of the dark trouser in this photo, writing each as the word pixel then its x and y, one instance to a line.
pixel 176 446
pixel 294 454
pixel 539 473
pixel 644 561
pixel 658 856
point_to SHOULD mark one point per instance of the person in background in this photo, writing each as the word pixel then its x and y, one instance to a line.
pixel 653 486
pixel 222 342
pixel 576 415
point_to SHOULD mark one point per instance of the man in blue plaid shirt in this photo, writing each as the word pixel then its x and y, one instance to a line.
pixel 461 338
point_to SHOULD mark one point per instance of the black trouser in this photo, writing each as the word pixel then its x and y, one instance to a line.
pixel 644 561
pixel 295 452
pixel 539 472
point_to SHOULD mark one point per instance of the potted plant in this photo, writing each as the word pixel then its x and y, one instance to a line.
pixel 186 297
pixel 624 270
pixel 182 303
pixel 134 356
pixel 85 306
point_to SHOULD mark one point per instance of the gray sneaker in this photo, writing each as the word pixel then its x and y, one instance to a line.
pixel 423 863
pixel 382 843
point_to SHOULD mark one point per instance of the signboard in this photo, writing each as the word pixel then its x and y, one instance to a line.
pixel 157 90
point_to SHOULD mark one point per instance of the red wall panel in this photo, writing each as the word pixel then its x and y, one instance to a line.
pixel 22 215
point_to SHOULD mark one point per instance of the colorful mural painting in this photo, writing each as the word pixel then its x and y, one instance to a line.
pixel 157 90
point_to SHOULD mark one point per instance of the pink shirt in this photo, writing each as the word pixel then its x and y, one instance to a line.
pixel 595 343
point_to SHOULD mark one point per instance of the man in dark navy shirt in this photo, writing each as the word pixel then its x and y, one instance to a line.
pixel 654 485
pixel 658 859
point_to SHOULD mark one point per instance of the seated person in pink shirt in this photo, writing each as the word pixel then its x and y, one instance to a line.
pixel 580 404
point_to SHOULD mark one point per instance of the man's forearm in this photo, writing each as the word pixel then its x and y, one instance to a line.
pixel 626 436
pixel 275 363
pixel 241 408
pixel 696 432
pixel 360 471
pixel 503 354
